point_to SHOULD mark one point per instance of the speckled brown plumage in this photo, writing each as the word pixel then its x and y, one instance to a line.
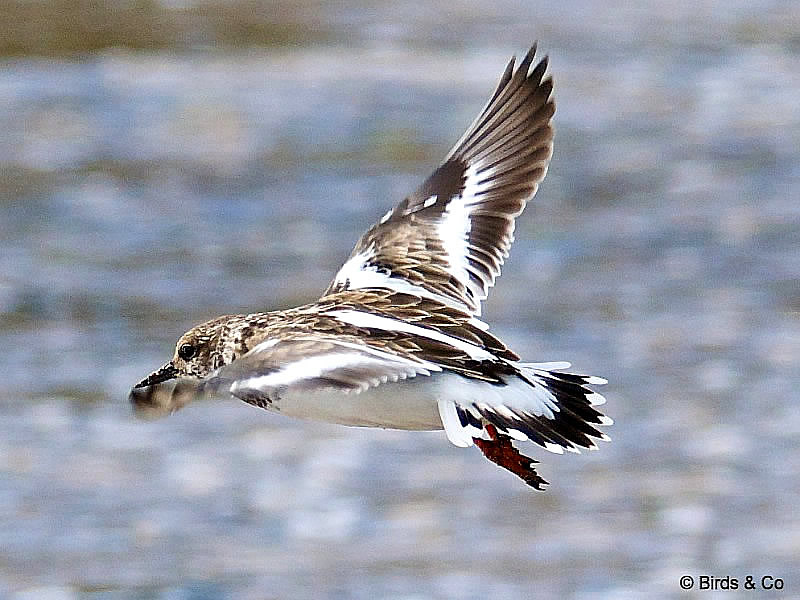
pixel 395 340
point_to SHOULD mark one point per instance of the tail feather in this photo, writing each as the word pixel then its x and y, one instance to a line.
pixel 551 408
pixel 575 424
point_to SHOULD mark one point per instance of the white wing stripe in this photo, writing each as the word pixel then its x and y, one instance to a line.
pixel 355 275
pixel 453 229
pixel 393 358
pixel 265 345
pixel 306 368
pixel 371 321
pixel 358 275
pixel 317 366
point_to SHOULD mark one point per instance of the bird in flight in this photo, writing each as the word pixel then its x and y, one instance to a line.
pixel 396 341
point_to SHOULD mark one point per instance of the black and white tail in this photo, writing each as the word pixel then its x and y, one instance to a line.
pixel 540 403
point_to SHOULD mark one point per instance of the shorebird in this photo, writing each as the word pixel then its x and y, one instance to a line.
pixel 396 341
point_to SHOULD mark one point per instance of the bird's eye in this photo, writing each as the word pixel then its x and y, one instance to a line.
pixel 187 351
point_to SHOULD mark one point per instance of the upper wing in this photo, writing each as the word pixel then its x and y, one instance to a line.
pixel 449 238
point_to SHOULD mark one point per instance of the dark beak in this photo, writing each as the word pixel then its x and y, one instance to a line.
pixel 165 392
pixel 165 373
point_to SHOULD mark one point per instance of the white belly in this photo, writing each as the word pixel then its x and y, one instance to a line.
pixel 408 404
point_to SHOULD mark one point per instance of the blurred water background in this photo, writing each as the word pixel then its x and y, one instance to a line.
pixel 162 163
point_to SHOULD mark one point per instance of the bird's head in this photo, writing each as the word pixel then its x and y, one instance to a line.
pixel 198 352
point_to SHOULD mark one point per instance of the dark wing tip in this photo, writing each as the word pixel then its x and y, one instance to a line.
pixel 539 70
pixel 526 62
pixel 524 71
pixel 504 79
pixel 530 54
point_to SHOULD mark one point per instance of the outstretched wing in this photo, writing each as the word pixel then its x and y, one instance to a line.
pixel 309 364
pixel 448 240
pixel 305 362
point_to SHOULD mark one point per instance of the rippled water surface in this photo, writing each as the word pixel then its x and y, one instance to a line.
pixel 143 190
